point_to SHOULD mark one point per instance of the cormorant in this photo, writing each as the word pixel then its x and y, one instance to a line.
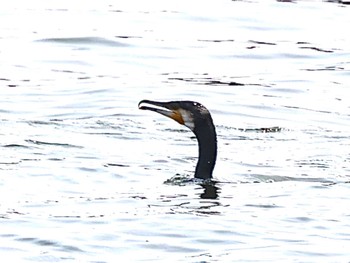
pixel 198 119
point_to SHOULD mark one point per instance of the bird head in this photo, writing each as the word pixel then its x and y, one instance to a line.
pixel 189 113
pixel 198 119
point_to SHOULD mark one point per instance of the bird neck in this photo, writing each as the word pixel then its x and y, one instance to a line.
pixel 207 154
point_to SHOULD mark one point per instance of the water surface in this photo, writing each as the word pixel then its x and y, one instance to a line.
pixel 86 176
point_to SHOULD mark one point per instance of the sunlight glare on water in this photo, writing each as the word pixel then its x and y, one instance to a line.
pixel 85 176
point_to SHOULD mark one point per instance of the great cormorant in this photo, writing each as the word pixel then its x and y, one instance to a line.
pixel 198 119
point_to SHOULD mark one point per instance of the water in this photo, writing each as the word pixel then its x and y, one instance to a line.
pixel 87 177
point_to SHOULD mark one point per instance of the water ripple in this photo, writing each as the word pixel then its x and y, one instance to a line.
pixel 86 41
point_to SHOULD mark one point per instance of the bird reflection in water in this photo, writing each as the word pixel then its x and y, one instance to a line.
pixel 211 191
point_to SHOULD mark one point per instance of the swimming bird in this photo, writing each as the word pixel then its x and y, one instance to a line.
pixel 198 119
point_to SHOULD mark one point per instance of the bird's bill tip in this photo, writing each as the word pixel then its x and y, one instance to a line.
pixel 150 105
pixel 140 105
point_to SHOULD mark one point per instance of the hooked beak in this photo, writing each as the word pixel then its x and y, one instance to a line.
pixel 168 109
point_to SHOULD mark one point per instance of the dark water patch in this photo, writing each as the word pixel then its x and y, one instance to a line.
pixel 7 235
pixel 86 40
pixel 13 212
pixel 116 164
pixel 329 68
pixel 205 213
pixel 239 138
pixel 84 78
pixel 218 82
pixel 86 169
pixel 185 79
pixel 263 130
pixel 178 204
pixel 128 129
pixel 262 43
pixel 14 85
pixel 209 81
pixel 316 254
pixel 117 123
pixel 287 1
pixel 49 243
pixel 303 108
pixel 125 37
pixel 68 71
pixel 72 119
pixel 86 157
pixel 16 146
pixel 263 206
pixel 96 216
pixel 53 144
pixel 10 163
pixel 51 202
pixel 216 40
pixel 336 137
pixel 77 218
pixel 301 219
pixel 251 47
pixel 344 2
pixel 273 129
pixel 318 49
pixel 302 43
pixel 32 159
pixel 309 46
pixel 324 185
pixel 56 120
pixel 39 123
pixel 317 163
pixel 26 239
pixel 112 134
pixel 169 248
pixel 138 197
pixel 280 178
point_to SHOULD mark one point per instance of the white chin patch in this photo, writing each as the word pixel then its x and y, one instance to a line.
pixel 188 119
